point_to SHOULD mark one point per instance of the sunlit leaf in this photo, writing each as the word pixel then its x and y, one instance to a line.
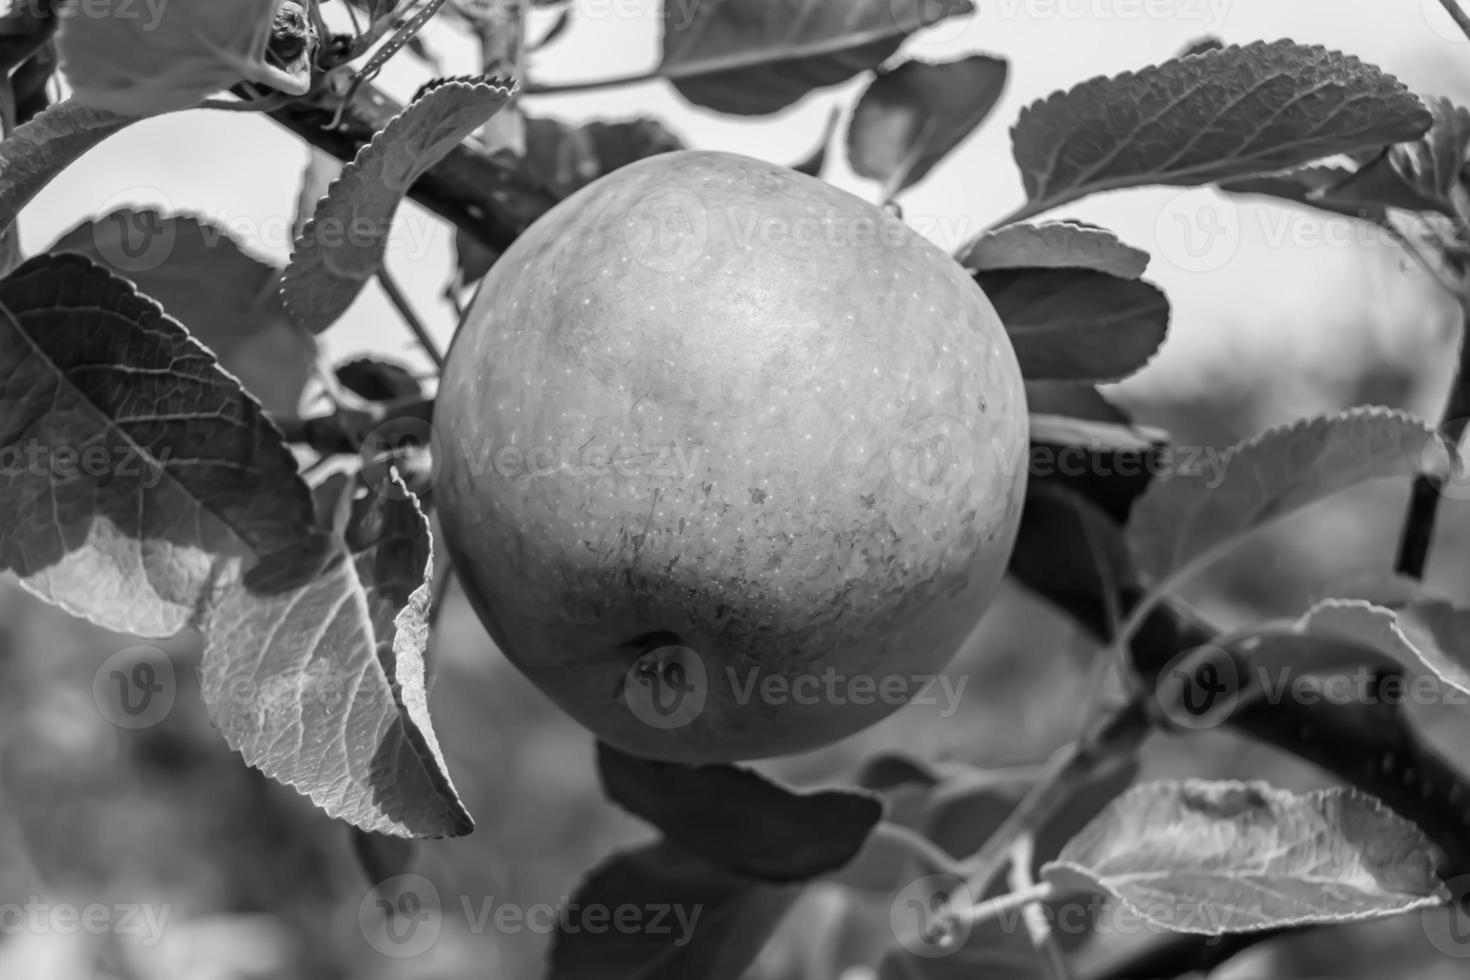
pixel 1222 857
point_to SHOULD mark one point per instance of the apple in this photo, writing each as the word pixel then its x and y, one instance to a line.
pixel 731 461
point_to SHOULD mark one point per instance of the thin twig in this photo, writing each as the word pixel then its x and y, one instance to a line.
pixel 1461 18
pixel 994 908
pixel 1049 955
pixel 930 856
pixel 405 310
pixel 1117 736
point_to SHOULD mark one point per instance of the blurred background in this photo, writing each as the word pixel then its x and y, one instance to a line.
pixel 1278 312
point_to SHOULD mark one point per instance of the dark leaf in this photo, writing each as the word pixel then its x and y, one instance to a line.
pixel 1054 245
pixel 227 298
pixel 1076 324
pixel 813 164
pixel 738 819
pixel 756 58
pixel 378 380
pixel 715 922
pixel 914 114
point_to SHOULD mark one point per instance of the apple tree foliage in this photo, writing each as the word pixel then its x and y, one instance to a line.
pixel 129 339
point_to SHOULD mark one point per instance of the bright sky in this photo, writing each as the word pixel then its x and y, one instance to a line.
pixel 1262 264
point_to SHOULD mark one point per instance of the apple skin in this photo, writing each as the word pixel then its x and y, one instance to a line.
pixel 717 427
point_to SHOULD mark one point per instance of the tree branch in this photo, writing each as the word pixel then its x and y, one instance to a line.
pixel 485 197
pixel 1417 535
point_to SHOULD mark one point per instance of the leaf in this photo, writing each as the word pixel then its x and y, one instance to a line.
pixel 1208 117
pixel 1425 633
pixel 321 684
pixel 738 819
pixel 35 152
pixel 143 60
pixel 1070 551
pixel 344 242
pixel 316 179
pixel 1423 174
pixel 1075 401
pixel 1310 186
pixel 1076 324
pixel 1098 436
pixel 1054 245
pixel 1201 45
pixel 813 164
pixel 1217 857
pixel 756 58
pixel 227 298
pixel 1207 503
pixel 378 380
pixel 567 158
pixel 175 474
pixel 715 922
pixel 912 115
